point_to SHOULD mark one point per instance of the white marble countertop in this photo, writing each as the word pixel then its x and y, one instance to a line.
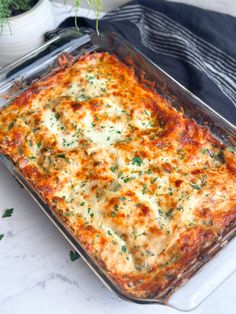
pixel 38 277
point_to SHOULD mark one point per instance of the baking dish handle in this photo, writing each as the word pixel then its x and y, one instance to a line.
pixel 59 40
pixel 60 30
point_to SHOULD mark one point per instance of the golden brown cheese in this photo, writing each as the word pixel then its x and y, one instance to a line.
pixel 142 187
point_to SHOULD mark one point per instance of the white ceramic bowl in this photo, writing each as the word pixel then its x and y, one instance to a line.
pixel 25 32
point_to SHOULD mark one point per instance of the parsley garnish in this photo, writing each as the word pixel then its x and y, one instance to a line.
pixel 137 160
pixel 169 214
pixel 91 213
pixel 195 186
pixel 8 213
pixel 144 190
pixel 126 180
pixel 122 198
pixel 115 186
pixel 113 169
pixel 181 153
pixel 57 116
pixel 124 249
pixel 61 156
pixel 199 186
pixel 74 256
pixel 154 180
pixel 203 151
pixel 203 180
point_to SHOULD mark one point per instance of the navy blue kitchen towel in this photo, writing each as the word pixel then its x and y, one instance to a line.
pixel 195 46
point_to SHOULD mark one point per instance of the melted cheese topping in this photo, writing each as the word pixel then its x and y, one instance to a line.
pixel 143 188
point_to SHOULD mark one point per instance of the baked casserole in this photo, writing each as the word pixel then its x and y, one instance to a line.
pixel 142 187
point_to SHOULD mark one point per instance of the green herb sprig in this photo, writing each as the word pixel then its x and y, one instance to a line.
pixel 74 256
pixel 8 213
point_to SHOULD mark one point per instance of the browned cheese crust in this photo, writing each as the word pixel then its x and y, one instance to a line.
pixel 142 187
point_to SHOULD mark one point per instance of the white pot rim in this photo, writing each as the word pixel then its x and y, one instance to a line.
pixel 35 7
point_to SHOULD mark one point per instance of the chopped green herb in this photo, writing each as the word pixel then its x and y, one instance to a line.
pixel 220 156
pixel 150 253
pixel 126 180
pixel 74 256
pixel 8 212
pixel 82 204
pixel 61 156
pixel 115 186
pixel 203 151
pixel 57 116
pixel 113 169
pixel 136 235
pixel 122 198
pixel 181 153
pixel 91 213
pixel 116 208
pixel 169 214
pixel 203 180
pixel 38 144
pixel 137 160
pixel 154 180
pixel 144 190
pixel 195 186
pixel 124 249
pixel 1 236
pixel 109 232
pixel 32 158
pixel 119 174
pixel 113 214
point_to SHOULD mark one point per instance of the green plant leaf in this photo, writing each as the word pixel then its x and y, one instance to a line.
pixel 8 212
pixel 74 256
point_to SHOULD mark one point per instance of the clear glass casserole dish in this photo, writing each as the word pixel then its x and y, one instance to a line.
pixel 202 275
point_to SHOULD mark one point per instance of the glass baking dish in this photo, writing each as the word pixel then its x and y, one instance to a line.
pixel 215 265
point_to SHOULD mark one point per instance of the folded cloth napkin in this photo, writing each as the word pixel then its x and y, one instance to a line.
pixel 195 46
